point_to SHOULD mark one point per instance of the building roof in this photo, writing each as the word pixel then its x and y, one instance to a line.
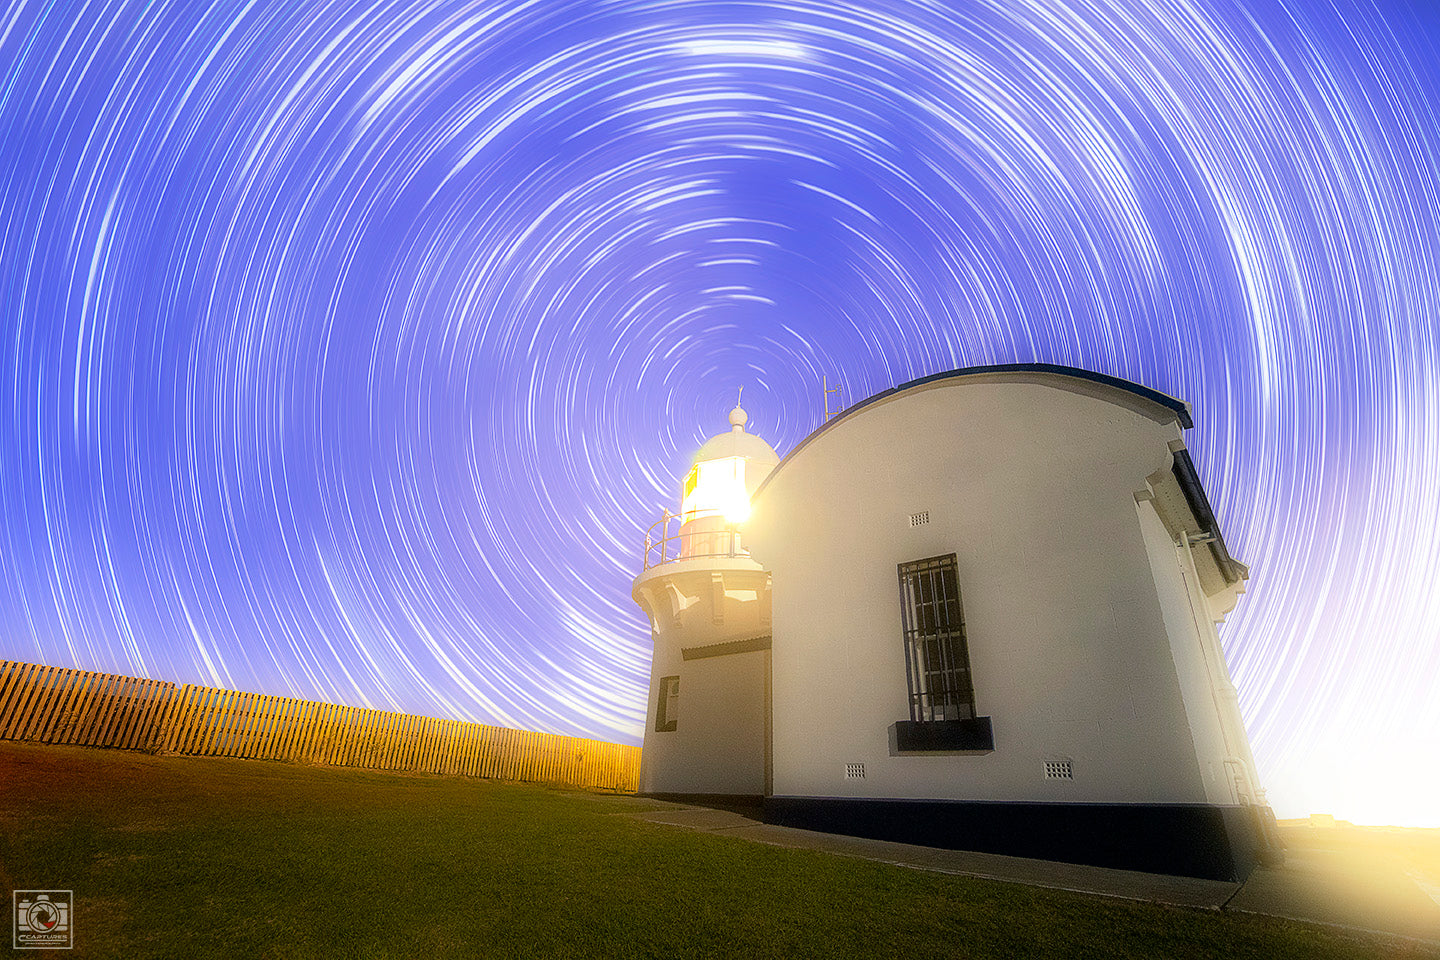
pixel 1157 405
pixel 1188 480
pixel 1179 409
pixel 735 443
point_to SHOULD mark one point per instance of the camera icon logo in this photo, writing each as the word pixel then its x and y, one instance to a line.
pixel 42 920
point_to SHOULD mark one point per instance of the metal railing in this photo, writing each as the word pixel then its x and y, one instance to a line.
pixel 662 545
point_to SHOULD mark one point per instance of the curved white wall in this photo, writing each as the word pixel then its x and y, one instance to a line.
pixel 718 742
pixel 1032 488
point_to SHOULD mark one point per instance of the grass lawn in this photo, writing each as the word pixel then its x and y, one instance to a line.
pixel 202 857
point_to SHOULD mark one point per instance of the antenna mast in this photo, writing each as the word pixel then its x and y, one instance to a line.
pixel 829 390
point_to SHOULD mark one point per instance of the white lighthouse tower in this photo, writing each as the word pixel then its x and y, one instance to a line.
pixel 707 724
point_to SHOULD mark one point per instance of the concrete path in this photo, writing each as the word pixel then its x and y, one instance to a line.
pixel 1324 886
pixel 1312 885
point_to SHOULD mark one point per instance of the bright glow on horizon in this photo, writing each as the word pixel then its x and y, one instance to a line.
pixel 1366 783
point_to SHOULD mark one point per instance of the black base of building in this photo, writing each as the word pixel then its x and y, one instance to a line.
pixel 1195 840
pixel 748 804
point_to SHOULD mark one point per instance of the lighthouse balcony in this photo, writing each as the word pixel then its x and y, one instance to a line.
pixel 680 537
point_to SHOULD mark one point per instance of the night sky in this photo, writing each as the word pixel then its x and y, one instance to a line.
pixel 347 350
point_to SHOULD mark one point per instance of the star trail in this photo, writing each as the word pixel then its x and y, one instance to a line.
pixel 349 348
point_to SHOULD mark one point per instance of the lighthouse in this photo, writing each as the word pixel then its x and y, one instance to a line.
pixel 708 600
pixel 993 627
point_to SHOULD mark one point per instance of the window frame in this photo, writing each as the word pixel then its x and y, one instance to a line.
pixel 933 629
pixel 667 697
pixel 932 626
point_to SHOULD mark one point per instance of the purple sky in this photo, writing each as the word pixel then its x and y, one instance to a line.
pixel 348 349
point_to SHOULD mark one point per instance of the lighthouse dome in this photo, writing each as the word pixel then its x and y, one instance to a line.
pixel 753 458
pixel 737 444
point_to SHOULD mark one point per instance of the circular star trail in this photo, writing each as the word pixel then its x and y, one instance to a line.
pixel 349 348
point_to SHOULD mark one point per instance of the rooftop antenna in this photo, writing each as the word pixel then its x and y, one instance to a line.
pixel 829 390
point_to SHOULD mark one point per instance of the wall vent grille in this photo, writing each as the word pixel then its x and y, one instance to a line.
pixel 920 519
pixel 854 771
pixel 1059 770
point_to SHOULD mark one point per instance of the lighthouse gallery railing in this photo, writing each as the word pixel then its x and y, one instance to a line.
pixel 664 545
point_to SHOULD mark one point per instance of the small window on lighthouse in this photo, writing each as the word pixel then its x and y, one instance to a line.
pixel 716 488
pixel 667 703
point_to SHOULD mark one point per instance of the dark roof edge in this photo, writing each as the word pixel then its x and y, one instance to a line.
pixel 1180 408
pixel 1184 473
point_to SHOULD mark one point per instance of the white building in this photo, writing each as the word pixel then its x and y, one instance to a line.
pixel 978 611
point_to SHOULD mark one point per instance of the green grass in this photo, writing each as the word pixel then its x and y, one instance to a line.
pixel 190 857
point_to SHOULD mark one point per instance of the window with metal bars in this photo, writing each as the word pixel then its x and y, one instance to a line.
pixel 937 660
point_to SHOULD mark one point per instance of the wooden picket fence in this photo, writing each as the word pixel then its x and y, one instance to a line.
pixel 57 705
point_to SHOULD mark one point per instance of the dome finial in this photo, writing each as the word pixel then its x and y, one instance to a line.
pixel 738 417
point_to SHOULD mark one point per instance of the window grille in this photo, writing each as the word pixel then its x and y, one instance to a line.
pixel 667 703
pixel 937 660
pixel 1059 770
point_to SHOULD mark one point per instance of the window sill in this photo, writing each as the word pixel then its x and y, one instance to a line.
pixel 913 736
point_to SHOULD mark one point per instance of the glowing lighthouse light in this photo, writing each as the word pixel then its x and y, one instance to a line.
pixel 716 488
pixel 716 495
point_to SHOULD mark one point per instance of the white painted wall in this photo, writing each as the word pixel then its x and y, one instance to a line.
pixel 1032 487
pixel 1221 744
pixel 1177 604
pixel 718 744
